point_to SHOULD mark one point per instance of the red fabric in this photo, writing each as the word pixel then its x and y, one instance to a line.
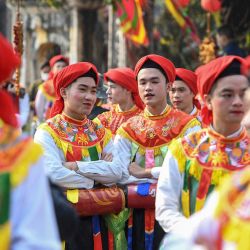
pixel 64 78
pixel 9 60
pixel 52 62
pixel 206 78
pixel 190 78
pixel 248 63
pixel 7 110
pixel 125 77
pixel 57 58
pixel 166 65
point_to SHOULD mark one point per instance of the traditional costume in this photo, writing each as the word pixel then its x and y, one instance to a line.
pixel 65 140
pixel 27 219
pixel 113 119
pixel 195 164
pixel 46 92
pixel 144 139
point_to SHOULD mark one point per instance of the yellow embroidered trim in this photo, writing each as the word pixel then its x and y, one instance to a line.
pixel 48 97
pixel 21 166
pixel 192 123
pixel 5 236
pixel 67 147
pixel 142 149
pixel 196 169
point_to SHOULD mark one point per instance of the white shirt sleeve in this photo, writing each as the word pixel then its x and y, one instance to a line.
pixel 24 110
pixel 89 171
pixel 40 103
pixel 107 173
pixel 168 195
pixel 32 213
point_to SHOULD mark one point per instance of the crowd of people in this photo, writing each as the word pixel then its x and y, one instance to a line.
pixel 141 174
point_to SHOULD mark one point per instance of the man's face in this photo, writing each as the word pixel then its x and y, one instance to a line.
pixel 221 41
pixel 227 100
pixel 80 97
pixel 58 66
pixel 45 73
pixel 116 93
pixel 152 87
pixel 181 96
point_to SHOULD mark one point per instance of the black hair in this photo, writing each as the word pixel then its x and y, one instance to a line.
pixel 44 65
pixel 226 31
pixel 91 73
pixel 151 64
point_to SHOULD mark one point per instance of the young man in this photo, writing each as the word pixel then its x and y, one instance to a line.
pixel 78 151
pixel 122 92
pixel 196 164
pixel 46 92
pixel 26 209
pixel 143 140
pixel 183 92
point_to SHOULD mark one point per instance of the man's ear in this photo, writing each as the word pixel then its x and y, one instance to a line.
pixel 63 92
pixel 169 84
pixel 208 99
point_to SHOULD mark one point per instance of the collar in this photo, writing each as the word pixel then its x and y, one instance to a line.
pixel 194 111
pixel 74 121
pixel 233 135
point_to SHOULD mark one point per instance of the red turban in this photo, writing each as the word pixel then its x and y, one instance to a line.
pixel 167 66
pixel 53 61
pixel 190 78
pixel 57 58
pixel 7 110
pixel 125 77
pixel 248 63
pixel 9 61
pixel 65 77
pixel 208 74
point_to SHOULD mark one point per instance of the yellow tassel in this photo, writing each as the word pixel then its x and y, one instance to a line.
pixel 73 195
pixel 185 200
pixel 199 204
pixel 107 137
pixel 29 156
pixel 176 150
pixel 5 236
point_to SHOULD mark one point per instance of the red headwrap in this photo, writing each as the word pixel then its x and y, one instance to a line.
pixel 167 66
pixel 248 63
pixel 207 75
pixel 190 78
pixel 53 61
pixel 7 110
pixel 57 58
pixel 65 77
pixel 9 61
pixel 125 77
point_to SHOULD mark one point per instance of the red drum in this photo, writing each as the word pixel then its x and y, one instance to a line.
pixel 138 201
pixel 98 201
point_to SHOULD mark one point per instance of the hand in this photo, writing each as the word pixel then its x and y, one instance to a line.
pixel 139 172
pixel 71 165
pixel 107 157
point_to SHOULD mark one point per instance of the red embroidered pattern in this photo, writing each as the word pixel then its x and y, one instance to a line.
pixel 114 118
pixel 77 133
pixel 151 131
pixel 213 150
